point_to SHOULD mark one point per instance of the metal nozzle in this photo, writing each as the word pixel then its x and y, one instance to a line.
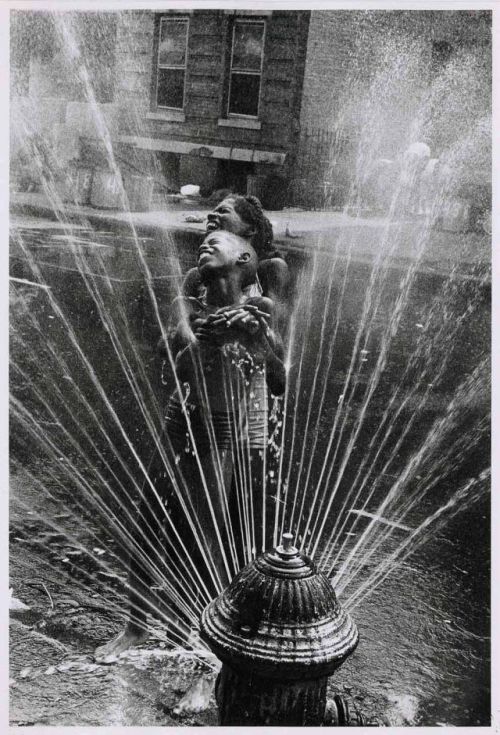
pixel 286 548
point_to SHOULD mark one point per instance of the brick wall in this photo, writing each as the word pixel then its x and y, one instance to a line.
pixel 345 48
pixel 344 40
pixel 206 77
pixel 134 43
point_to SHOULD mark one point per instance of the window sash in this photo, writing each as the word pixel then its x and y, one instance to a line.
pixel 184 21
pixel 233 71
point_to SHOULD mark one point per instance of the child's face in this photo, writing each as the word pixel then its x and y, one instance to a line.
pixel 225 217
pixel 223 250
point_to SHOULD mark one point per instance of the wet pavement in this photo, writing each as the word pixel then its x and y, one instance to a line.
pixel 54 679
pixel 294 230
pixel 423 658
pixel 418 661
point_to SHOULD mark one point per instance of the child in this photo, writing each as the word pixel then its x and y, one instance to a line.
pixel 244 216
pixel 225 357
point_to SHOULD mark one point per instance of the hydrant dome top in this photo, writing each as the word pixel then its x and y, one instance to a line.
pixel 285 561
pixel 280 617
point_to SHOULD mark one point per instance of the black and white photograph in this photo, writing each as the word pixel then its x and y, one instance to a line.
pixel 249 364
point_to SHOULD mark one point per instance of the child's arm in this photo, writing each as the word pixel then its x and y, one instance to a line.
pixel 191 284
pixel 184 318
pixel 275 277
pixel 272 345
pixel 185 344
pixel 185 362
pixel 250 322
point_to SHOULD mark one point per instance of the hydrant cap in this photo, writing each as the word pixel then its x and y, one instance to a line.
pixel 280 618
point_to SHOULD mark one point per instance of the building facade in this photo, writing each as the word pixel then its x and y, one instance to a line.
pixel 259 101
pixel 215 93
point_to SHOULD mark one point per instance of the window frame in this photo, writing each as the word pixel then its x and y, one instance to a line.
pixel 162 18
pixel 260 73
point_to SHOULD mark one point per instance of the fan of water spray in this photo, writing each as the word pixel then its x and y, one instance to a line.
pixel 380 412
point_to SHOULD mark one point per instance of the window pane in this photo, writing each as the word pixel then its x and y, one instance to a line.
pixel 171 88
pixel 248 46
pixel 441 53
pixel 172 50
pixel 244 98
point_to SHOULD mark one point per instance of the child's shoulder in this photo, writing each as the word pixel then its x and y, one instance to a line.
pixel 274 275
pixel 190 304
pixel 273 265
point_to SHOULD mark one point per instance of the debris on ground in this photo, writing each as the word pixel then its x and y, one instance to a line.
pixel 194 218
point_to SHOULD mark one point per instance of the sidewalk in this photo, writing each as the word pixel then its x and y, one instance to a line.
pixel 298 222
pixel 294 231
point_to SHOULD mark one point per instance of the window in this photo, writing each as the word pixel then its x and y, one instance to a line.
pixel 441 54
pixel 246 68
pixel 172 54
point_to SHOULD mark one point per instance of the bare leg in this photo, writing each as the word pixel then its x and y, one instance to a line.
pixel 134 634
pixel 147 542
pixel 198 696
pixel 128 638
pixel 154 546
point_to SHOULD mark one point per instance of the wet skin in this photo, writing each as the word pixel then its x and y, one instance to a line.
pixel 225 217
pixel 225 258
pixel 272 272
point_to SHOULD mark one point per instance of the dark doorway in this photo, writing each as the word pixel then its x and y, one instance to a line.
pixel 233 175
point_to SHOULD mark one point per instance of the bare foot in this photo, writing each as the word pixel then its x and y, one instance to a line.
pixel 128 638
pixel 196 699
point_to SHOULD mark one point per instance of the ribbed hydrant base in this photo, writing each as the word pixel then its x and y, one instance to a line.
pixel 253 700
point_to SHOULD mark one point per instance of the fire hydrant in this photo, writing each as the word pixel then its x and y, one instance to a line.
pixel 280 632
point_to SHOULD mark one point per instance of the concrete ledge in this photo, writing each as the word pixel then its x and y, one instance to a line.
pixel 239 122
pixel 242 13
pixel 164 115
pixel 213 151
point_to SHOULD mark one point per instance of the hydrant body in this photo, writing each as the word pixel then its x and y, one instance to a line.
pixel 248 699
pixel 279 631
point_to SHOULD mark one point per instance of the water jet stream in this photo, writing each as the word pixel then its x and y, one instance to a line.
pixel 431 443
pixel 387 566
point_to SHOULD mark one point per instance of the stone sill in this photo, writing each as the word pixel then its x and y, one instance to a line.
pixel 176 11
pixel 167 116
pixel 239 122
pixel 250 13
